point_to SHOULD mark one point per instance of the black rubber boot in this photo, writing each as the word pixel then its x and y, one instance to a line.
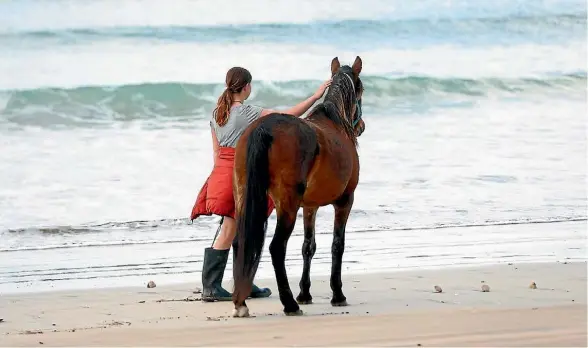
pixel 213 269
pixel 256 292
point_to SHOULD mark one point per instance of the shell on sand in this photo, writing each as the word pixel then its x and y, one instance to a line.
pixel 438 288
pixel 533 285
pixel 151 284
pixel 485 288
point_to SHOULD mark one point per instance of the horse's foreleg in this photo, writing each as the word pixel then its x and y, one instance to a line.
pixel 342 210
pixel 308 250
pixel 284 227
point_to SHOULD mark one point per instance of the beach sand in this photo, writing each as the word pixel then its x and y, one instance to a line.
pixel 386 309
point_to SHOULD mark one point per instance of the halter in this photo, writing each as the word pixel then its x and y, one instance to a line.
pixel 358 111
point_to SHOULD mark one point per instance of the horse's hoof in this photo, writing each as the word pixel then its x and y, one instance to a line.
pixel 304 300
pixel 294 314
pixel 241 312
pixel 339 303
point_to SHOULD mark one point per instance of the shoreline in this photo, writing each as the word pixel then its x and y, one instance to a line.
pixel 366 252
pixel 386 308
pixel 292 276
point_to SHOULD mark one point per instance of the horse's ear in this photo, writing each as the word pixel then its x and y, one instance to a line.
pixel 335 65
pixel 356 66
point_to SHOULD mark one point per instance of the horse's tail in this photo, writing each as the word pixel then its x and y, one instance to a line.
pixel 252 214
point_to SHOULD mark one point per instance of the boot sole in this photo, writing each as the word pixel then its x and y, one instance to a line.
pixel 261 295
pixel 216 299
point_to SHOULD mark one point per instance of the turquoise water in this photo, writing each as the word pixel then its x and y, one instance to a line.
pixel 474 152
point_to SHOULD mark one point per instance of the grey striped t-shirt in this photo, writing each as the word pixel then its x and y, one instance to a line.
pixel 240 117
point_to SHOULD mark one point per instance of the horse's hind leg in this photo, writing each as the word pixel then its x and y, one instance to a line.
pixel 308 250
pixel 286 220
pixel 342 210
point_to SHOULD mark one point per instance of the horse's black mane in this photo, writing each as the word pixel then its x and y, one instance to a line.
pixel 339 101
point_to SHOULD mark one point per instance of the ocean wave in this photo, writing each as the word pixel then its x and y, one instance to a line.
pixel 184 102
pixel 38 15
pixel 137 226
pixel 372 32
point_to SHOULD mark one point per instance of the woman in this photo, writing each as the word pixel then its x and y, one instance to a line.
pixel 230 119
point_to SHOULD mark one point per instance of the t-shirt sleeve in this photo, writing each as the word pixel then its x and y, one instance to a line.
pixel 252 112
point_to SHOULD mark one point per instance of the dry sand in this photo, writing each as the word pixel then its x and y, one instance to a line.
pixel 389 309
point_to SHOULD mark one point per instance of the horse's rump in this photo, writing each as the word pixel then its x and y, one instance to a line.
pixel 293 146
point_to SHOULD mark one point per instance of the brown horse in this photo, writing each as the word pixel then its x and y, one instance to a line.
pixel 306 163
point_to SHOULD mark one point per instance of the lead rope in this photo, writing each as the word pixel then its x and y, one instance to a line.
pixel 218 230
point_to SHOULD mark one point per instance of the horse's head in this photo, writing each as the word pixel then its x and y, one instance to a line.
pixel 349 76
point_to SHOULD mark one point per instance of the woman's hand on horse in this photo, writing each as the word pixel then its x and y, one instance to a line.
pixel 322 88
pixel 300 108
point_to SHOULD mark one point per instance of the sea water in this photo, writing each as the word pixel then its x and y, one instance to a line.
pixel 474 150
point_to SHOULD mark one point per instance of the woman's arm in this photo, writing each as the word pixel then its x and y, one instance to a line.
pixel 214 145
pixel 297 110
pixel 300 108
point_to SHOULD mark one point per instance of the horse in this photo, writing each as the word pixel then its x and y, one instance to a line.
pixel 298 162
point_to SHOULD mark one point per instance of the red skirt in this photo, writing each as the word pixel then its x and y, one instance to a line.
pixel 216 195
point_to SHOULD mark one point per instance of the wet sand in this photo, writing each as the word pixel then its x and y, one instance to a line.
pixel 391 309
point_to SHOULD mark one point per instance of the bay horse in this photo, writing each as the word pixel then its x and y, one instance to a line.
pixel 309 163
